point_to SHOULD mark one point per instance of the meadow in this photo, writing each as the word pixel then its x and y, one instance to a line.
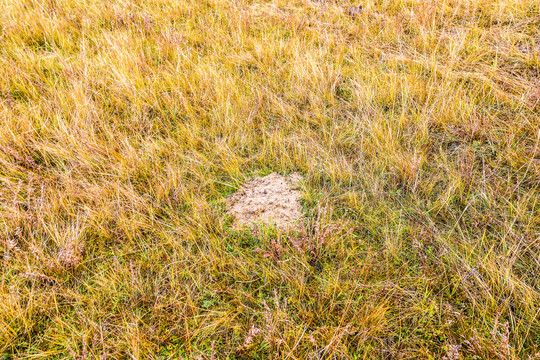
pixel 125 124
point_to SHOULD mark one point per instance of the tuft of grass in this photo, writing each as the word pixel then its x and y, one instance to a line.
pixel 124 125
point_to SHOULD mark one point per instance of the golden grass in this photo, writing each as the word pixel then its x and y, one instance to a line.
pixel 124 125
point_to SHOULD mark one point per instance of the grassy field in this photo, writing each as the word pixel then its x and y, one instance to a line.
pixel 124 125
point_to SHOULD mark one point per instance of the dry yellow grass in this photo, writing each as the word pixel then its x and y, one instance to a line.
pixel 125 124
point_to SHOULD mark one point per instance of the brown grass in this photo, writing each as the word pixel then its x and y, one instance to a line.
pixel 125 124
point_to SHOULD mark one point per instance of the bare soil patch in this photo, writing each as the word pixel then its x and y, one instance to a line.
pixel 272 200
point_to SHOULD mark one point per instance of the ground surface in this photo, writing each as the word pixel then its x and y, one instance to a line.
pixel 272 200
pixel 126 124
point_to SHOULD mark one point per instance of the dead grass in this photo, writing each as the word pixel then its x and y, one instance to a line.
pixel 124 126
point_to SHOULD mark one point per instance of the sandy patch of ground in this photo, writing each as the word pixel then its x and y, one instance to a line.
pixel 272 200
